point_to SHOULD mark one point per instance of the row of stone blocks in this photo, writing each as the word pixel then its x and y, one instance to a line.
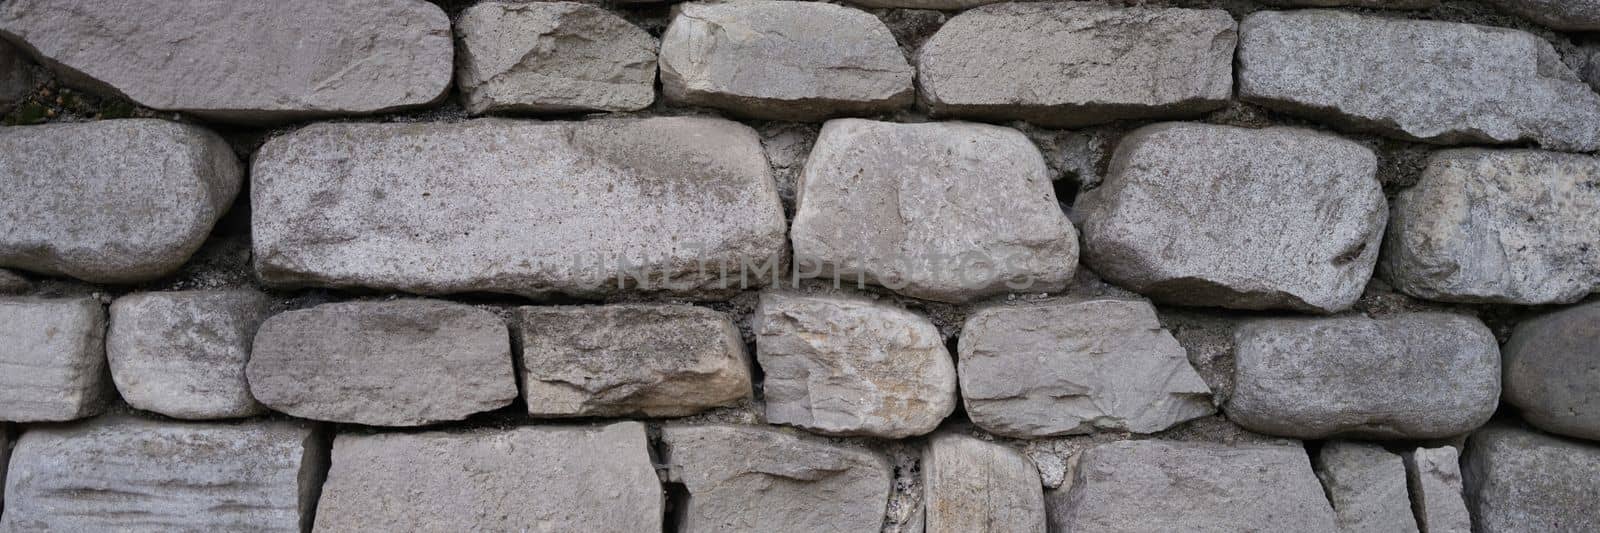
pixel 1055 64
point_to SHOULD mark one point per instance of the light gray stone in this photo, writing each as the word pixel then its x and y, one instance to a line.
pixel 630 360
pixel 243 61
pixel 183 354
pixel 781 60
pixel 947 5
pixel 1070 65
pixel 1521 480
pixel 16 75
pixel 752 478
pixel 1374 4
pixel 1275 218
pixel 1552 370
pixel 115 201
pixel 541 478
pixel 13 283
pixel 1407 376
pixel 1564 15
pixel 5 459
pixel 1498 226
pixel 394 363
pixel 940 211
pixel 53 353
pixel 552 57
pixel 1047 369
pixel 972 486
pixel 518 207
pixel 850 366
pixel 1418 80
pixel 1137 486
pixel 128 474
pixel 1434 476
pixel 1367 486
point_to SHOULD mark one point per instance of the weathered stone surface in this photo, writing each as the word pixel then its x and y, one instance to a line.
pixel 972 486
pixel 630 360
pixel 53 354
pixel 128 474
pixel 751 478
pixel 940 211
pixel 243 61
pixel 1375 4
pixel 1040 370
pixel 1521 480
pixel 13 283
pixel 1367 486
pixel 526 208
pixel 843 365
pixel 1552 370
pixel 783 60
pixel 1071 65
pixel 395 363
pixel 847 365
pixel 1565 15
pixel 5 459
pixel 1171 486
pixel 1420 80
pixel 553 57
pixel 550 478
pixel 1408 376
pixel 116 201
pixel 183 354
pixel 1498 226
pixel 947 5
pixel 16 75
pixel 1434 475
pixel 1275 218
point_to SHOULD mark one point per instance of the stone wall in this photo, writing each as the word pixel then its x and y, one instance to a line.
pixel 758 265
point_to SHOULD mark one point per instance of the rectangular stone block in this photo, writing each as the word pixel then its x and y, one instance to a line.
pixel 1521 480
pixel 555 478
pixel 52 359
pixel 528 208
pixel 129 474
pixel 630 360
pixel 1434 478
pixel 183 353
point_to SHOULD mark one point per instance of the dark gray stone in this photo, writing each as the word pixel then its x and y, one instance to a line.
pixel 1521 480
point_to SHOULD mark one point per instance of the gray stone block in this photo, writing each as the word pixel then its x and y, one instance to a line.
pixel 1552 371
pixel 1434 476
pixel 1367 486
pixel 1564 15
pixel 183 354
pixel 1522 480
pixel 972 486
pixel 53 353
pixel 552 57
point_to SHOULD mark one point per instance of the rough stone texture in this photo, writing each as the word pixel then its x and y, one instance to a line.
pixel 940 211
pixel 134 475
pixel 1552 371
pixel 13 283
pixel 1498 226
pixel 183 354
pixel 53 353
pixel 1041 370
pixel 526 208
pixel 553 57
pixel 1275 218
pixel 1565 15
pixel 243 61
pixel 1375 4
pixel 972 486
pixel 947 5
pixel 1367 486
pixel 1407 376
pixel 630 360
pixel 16 75
pixel 1434 476
pixel 762 479
pixel 1070 65
pixel 774 60
pixel 1420 80
pixel 395 363
pixel 849 366
pixel 5 459
pixel 1520 480
pixel 1137 486
pixel 550 478
pixel 117 201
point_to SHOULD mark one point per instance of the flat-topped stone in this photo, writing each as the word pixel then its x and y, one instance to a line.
pixel 529 208
pixel 1418 80
pixel 629 360
pixel 183 354
pixel 1367 486
pixel 395 363
pixel 1068 64
pixel 244 61
pixel 113 201
pixel 973 486
pixel 53 353
pixel 1522 480
pixel 552 57
pixel 121 473
pixel 1434 477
